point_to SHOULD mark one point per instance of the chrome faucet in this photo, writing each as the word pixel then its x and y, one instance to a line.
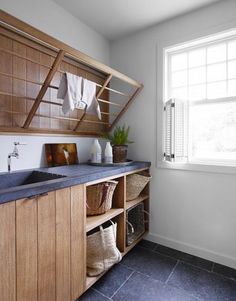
pixel 14 154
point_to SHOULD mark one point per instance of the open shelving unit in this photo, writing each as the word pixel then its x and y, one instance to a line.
pixel 47 253
pixel 118 214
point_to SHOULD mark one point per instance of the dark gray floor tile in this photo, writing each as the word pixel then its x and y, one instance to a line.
pixel 225 271
pixel 203 284
pixel 150 263
pixel 194 260
pixel 92 295
pixel 112 280
pixel 147 244
pixel 143 288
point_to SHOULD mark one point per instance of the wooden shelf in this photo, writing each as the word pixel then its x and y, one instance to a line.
pixel 139 199
pixel 119 200
pixel 96 220
pixel 91 280
pixel 128 248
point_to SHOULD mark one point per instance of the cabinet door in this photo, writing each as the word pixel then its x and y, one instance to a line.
pixel 46 247
pixel 63 247
pixel 26 249
pixel 70 243
pixel 42 247
pixel 7 252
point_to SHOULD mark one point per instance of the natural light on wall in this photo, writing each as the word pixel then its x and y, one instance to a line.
pixel 200 116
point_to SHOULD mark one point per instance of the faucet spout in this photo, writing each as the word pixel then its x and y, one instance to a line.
pixel 14 154
pixel 9 163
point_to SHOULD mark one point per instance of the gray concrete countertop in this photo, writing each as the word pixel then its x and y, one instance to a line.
pixel 74 175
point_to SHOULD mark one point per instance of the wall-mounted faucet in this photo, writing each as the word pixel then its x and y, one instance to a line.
pixel 14 154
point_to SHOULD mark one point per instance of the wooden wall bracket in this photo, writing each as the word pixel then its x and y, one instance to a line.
pixel 44 88
pixel 133 96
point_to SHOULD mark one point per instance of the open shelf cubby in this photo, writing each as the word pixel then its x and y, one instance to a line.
pixel 118 214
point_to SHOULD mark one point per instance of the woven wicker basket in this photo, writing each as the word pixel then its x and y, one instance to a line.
pixel 135 183
pixel 134 223
pixel 99 197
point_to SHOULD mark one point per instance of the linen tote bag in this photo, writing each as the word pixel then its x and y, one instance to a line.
pixel 102 252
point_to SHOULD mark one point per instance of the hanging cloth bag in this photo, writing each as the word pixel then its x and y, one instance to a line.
pixel 102 252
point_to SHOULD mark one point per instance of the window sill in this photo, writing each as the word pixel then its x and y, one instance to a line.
pixel 212 168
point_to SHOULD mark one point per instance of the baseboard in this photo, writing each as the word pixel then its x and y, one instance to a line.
pixel 194 250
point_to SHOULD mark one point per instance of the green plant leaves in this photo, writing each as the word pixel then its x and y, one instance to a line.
pixel 119 136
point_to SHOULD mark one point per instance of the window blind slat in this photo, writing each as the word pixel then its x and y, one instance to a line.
pixel 168 113
pixel 181 120
pixel 175 123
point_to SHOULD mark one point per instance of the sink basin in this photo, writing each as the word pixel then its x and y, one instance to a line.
pixel 26 177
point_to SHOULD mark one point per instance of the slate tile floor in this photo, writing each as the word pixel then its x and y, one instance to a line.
pixel 151 272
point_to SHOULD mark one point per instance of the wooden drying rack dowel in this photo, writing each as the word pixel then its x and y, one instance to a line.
pixel 50 86
pixel 46 66
pixel 57 103
pixel 24 34
pixel 57 117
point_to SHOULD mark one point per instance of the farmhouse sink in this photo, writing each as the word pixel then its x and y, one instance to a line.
pixel 25 178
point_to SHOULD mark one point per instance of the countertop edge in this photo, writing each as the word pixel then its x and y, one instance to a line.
pixel 33 190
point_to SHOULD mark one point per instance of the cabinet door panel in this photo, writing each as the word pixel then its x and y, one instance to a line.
pixel 26 249
pixel 63 211
pixel 43 247
pixel 46 248
pixel 7 252
pixel 78 241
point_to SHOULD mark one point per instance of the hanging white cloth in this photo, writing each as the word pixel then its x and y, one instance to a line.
pixel 70 90
pixel 78 92
pixel 89 97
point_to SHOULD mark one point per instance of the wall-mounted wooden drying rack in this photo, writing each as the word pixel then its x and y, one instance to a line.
pixel 31 65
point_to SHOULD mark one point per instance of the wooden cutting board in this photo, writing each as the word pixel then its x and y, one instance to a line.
pixel 59 154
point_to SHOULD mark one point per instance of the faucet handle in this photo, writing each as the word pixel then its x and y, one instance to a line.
pixel 18 143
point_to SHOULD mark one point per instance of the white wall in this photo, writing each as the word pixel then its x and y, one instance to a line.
pixel 190 211
pixel 54 20
pixel 51 18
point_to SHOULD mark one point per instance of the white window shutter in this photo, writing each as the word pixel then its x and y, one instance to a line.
pixel 175 130
pixel 168 130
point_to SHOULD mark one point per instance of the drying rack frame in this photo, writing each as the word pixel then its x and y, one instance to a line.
pixel 61 53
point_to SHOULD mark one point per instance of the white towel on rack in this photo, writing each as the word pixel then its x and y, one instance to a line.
pixel 70 90
pixel 78 92
pixel 89 97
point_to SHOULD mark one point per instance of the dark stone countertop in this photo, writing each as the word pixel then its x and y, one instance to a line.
pixel 74 175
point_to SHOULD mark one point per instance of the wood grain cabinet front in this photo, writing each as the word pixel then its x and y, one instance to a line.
pixel 43 241
pixel 43 247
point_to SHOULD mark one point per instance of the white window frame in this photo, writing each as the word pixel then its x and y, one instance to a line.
pixel 161 93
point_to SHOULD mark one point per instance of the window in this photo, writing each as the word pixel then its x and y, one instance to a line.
pixel 200 101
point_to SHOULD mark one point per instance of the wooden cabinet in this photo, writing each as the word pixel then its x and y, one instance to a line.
pixel 43 241
pixel 42 247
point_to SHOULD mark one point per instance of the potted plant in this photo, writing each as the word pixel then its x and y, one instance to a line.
pixel 119 140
